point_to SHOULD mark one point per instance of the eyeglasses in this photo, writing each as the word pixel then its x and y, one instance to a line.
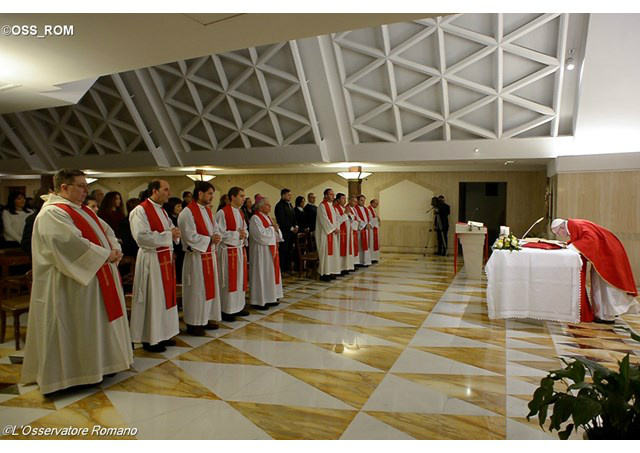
pixel 82 186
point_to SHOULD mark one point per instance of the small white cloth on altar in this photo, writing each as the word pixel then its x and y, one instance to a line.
pixel 534 283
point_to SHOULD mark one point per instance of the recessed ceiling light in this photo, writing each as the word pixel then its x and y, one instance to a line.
pixel 509 162
pixel 477 150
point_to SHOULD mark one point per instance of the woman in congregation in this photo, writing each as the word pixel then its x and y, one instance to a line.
pixel 14 217
pixel 111 210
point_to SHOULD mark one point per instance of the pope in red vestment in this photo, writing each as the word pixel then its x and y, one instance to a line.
pixel 613 288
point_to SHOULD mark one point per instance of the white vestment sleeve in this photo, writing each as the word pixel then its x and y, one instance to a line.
pixel 260 234
pixel 76 257
pixel 230 238
pixel 190 235
pixel 142 234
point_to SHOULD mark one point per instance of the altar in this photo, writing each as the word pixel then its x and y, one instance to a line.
pixel 535 284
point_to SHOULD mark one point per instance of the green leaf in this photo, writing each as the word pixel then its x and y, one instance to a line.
pixel 562 410
pixel 564 435
pixel 585 409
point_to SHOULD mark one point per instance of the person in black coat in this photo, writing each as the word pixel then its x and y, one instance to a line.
pixel 311 211
pixel 301 215
pixel 286 219
pixel 442 225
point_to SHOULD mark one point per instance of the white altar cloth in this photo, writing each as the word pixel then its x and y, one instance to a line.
pixel 534 283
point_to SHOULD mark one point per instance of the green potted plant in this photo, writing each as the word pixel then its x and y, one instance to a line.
pixel 606 408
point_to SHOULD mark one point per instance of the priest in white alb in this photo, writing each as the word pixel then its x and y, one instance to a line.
pixel 375 227
pixel 264 267
pixel 364 232
pixel 327 238
pixel 232 256
pixel 154 311
pixel 199 235
pixel 351 212
pixel 345 255
pixel 77 330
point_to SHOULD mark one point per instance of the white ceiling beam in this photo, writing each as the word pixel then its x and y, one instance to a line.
pixel 488 91
pixel 420 111
pixel 472 107
pixel 417 67
pixel 376 133
pixel 370 93
pixel 422 131
pixel 296 135
pixel 237 58
pixel 557 92
pixel 33 160
pixel 527 126
pixel 347 96
pixel 356 47
pixel 526 103
pixel 499 73
pixel 470 35
pixel 444 87
pixel 412 41
pixel 264 89
pixel 471 59
pixel 364 71
pixel 419 88
pixel 482 132
pixel 371 114
pixel 530 54
pixel 529 27
pixel 528 80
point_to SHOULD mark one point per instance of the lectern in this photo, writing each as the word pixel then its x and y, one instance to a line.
pixel 474 242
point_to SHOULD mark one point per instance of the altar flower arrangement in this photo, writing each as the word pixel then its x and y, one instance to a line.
pixel 506 242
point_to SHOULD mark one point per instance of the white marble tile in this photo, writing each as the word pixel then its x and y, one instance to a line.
pixel 365 427
pixel 141 364
pixel 259 384
pixel 20 415
pixel 516 407
pixel 522 343
pixel 316 333
pixel 441 320
pixel 520 431
pixel 174 351
pixel 518 387
pixel 428 337
pixel 170 417
pixel 363 305
pixel 395 394
pixel 514 369
pixel 199 341
pixel 347 318
pixel 457 309
pixel 297 355
pixel 415 361
pixel 512 354
pixel 67 397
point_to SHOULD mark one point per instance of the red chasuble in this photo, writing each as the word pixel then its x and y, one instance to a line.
pixel 343 232
pixel 165 256
pixel 232 253
pixel 363 232
pixel 606 253
pixel 266 222
pixel 376 247
pixel 207 257
pixel 330 235
pixel 107 283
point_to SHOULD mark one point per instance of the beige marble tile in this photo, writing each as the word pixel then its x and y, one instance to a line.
pixel 217 351
pixel 258 332
pixel 380 357
pixel 32 399
pixel 486 358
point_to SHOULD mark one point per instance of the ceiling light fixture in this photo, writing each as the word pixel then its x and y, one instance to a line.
pixel 91 180
pixel 354 174
pixel 509 162
pixel 200 176
pixel 477 150
pixel 570 64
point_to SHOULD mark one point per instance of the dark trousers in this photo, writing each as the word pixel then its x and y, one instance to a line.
pixel 442 241
pixel 285 249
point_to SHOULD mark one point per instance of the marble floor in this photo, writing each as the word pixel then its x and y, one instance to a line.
pixel 400 350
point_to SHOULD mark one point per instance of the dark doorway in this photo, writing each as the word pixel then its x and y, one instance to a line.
pixel 484 202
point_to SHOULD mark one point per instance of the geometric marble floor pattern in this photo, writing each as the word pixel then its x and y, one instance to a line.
pixel 399 350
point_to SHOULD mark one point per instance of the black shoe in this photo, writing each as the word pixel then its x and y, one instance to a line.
pixel 243 313
pixel 169 342
pixel 273 304
pixel 374 262
pixel 212 326
pixel 603 321
pixel 260 307
pixel 228 318
pixel 325 278
pixel 154 348
pixel 196 331
pixel 332 277
pixel 110 375
pixel 344 272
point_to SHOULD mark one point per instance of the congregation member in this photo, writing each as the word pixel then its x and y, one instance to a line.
pixel 154 311
pixel 442 225
pixel 345 242
pixel 264 270
pixel 232 256
pixel 375 226
pixel 364 232
pixel 286 218
pixel 247 209
pixel 311 211
pixel 200 287
pixel 255 200
pixel 327 238
pixel 14 217
pixel 97 195
pixel 173 207
pixel 27 232
pixel 112 210
pixel 301 215
pixel 224 200
pixel 129 245
pixel 613 288
pixel 91 203
pixel 77 330
pixel 187 198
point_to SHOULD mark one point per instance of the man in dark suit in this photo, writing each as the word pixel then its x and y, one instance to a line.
pixel 442 225
pixel 311 211
pixel 286 219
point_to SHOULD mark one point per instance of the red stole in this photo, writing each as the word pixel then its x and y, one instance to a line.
pixel 606 253
pixel 266 222
pixel 107 283
pixel 330 235
pixel 232 253
pixel 343 232
pixel 165 256
pixel 363 233
pixel 376 247
pixel 207 257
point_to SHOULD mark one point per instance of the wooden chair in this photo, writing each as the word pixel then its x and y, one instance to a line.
pixel 14 301
pixel 306 253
